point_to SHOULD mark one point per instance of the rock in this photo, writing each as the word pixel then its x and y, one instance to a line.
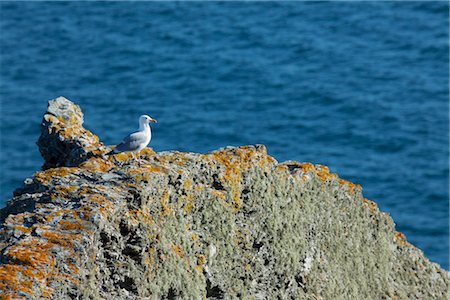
pixel 64 141
pixel 233 223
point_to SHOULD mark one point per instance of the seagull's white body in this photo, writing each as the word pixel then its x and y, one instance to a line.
pixel 138 140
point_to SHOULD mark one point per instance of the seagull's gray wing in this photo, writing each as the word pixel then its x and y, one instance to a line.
pixel 131 142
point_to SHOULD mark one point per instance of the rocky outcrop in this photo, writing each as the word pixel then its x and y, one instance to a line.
pixel 232 223
pixel 64 141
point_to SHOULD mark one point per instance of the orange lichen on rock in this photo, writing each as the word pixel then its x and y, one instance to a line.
pixel 71 128
pixel 153 169
pixel 293 167
pixel 31 262
pixel 165 206
pixel 144 172
pixel 32 253
pixel 177 250
pixel 175 157
pixel 149 260
pixel 400 238
pixel 71 225
pixel 306 167
pixel 57 214
pixel 352 187
pixel 104 206
pixel 63 239
pixel 201 261
pixel 324 173
pixel 235 162
pixel 97 164
pixel 22 228
pixel 123 156
pixel 147 153
pixel 63 191
pixel 187 184
pixel 141 216
pixel 218 194
pixel 31 266
pixel 371 205
pixel 194 237
pixel 188 206
pixel 12 281
pixel 89 206
pixel 87 190
pixel 46 176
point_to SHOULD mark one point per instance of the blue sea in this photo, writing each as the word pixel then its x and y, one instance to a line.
pixel 362 87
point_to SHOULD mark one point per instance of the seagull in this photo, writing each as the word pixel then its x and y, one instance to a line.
pixel 138 140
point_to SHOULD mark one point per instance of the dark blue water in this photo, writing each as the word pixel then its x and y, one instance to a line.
pixel 360 87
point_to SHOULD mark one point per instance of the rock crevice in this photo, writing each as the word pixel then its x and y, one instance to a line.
pixel 233 223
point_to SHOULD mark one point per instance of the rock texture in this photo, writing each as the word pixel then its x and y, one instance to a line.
pixel 229 224
pixel 64 141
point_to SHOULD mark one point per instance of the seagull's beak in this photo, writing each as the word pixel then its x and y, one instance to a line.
pixel 153 121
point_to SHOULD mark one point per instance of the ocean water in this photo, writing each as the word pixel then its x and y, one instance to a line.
pixel 361 87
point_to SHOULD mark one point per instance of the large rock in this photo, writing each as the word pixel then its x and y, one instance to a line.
pixel 64 141
pixel 232 223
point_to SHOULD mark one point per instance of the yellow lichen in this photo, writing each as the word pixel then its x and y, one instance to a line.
pixel 22 228
pixel 165 206
pixel 201 260
pixel 146 153
pixel 142 216
pixel 60 238
pixel 11 282
pixel 97 164
pixel 324 173
pixel 188 206
pixel 194 237
pixel 399 238
pixel 371 205
pixel 71 225
pixel 177 250
pixel 104 206
pixel 351 186
pixel 144 172
pixel 46 176
pixel 30 262
pixel 149 258
pixel 123 156
pixel 218 194
pixel 187 184
pixel 33 255
pixel 57 214
pixel 63 191
pixel 234 164
pixel 235 161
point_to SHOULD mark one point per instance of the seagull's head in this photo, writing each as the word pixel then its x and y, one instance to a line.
pixel 144 119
